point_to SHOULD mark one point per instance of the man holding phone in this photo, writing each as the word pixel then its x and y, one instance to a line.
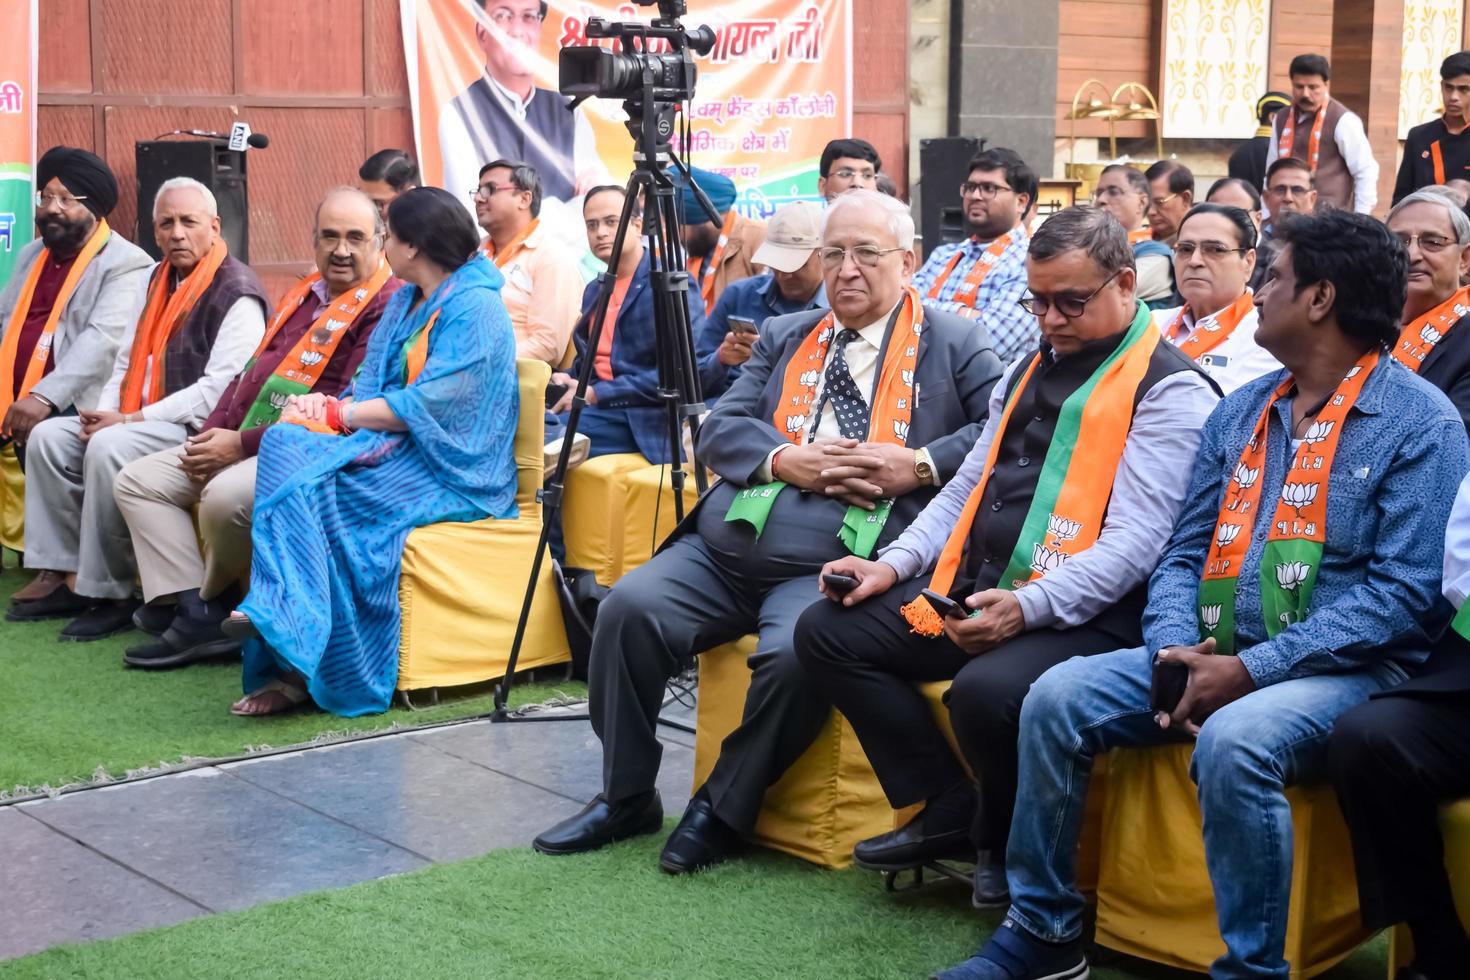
pixel 1029 557
pixel 1302 577
pixel 791 284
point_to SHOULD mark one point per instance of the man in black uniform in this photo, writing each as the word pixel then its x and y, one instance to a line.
pixel 1438 151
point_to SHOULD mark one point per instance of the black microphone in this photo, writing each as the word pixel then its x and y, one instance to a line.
pixel 259 140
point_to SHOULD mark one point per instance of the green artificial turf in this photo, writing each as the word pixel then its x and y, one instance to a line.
pixel 607 914
pixel 72 713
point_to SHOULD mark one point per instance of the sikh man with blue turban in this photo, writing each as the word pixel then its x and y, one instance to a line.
pixel 722 253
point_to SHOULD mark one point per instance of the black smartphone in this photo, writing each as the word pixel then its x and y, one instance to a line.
pixel 743 324
pixel 554 393
pixel 944 605
pixel 1167 685
pixel 839 585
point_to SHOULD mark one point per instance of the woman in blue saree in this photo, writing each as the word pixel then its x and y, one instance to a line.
pixel 424 435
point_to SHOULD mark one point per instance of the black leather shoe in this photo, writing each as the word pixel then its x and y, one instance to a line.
pixel 102 620
pixel 600 823
pixel 989 886
pixel 154 618
pixel 914 844
pixel 701 840
pixel 60 603
pixel 182 644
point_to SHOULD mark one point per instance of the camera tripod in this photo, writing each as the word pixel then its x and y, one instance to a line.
pixel 651 187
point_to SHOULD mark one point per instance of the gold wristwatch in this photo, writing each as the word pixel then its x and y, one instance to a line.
pixel 923 469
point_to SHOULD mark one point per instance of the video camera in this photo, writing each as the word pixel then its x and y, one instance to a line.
pixel 637 73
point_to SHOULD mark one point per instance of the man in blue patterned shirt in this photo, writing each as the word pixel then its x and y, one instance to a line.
pixel 984 276
pixel 1327 601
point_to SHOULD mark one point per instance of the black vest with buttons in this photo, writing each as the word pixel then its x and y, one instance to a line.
pixel 1028 436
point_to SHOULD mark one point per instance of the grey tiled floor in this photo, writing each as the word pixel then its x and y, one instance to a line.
pixel 119 859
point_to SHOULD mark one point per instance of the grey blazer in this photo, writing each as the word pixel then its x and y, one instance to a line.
pixel 106 303
pixel 953 375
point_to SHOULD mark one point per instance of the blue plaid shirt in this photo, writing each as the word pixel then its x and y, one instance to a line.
pixel 1012 330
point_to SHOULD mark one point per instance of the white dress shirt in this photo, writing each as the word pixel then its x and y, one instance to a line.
pixel 1235 360
pixel 1457 549
pixel 1357 154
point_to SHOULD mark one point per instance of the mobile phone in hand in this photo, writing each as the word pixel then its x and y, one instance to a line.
pixel 1166 687
pixel 839 585
pixel 554 393
pixel 944 605
pixel 743 325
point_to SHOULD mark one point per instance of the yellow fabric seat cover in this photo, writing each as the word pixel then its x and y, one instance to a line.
pixel 649 512
pixel 12 501
pixel 462 584
pixel 1154 898
pixel 593 513
pixel 1454 826
pixel 830 798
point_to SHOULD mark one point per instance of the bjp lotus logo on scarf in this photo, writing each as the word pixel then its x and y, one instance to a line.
pixel 1357 369
pixel 808 379
pixel 310 357
pixel 1210 616
pixel 901 429
pixel 908 378
pixel 334 325
pixel 1430 335
pixel 278 400
pixel 1209 324
pixel 1062 529
pixel 1318 432
pixel 824 335
pixel 360 295
pixel 1245 477
pixel 1045 560
pixel 1227 533
pixel 794 423
pixel 1291 575
pixel 1299 495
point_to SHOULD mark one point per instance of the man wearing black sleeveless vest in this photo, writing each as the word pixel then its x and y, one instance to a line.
pixel 912 384
pixel 1081 469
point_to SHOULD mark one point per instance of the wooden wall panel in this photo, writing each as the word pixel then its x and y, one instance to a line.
pixel 65 63
pixel 388 128
pixel 154 48
pixel 387 71
pixel 1114 41
pixel 290 47
pixel 64 125
pixel 1298 27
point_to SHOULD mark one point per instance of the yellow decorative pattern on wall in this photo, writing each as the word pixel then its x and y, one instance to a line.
pixel 1216 57
pixel 1432 32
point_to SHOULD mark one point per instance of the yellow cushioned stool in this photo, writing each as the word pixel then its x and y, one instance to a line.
pixel 649 512
pixel 1154 898
pixel 1454 826
pixel 462 584
pixel 594 513
pixel 12 501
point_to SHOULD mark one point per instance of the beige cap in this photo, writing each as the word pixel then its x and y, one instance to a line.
pixel 793 233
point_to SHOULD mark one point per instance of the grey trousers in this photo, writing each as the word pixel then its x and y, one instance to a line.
pixel 72 520
pixel 157 499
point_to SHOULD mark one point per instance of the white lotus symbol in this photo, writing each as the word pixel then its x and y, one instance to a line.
pixel 1062 529
pixel 1353 373
pixel 360 295
pixel 900 429
pixel 1044 560
pixel 1299 495
pixel 1319 431
pixel 1227 533
pixel 794 423
pixel 1209 324
pixel 908 378
pixel 825 335
pixel 311 357
pixel 1430 335
pixel 1210 616
pixel 279 400
pixel 807 379
pixel 1290 575
pixel 332 326
pixel 1245 477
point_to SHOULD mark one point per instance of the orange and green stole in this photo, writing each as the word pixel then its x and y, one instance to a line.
pixel 1421 335
pixel 1293 549
pixel 301 368
pixel 1073 489
pixel 888 419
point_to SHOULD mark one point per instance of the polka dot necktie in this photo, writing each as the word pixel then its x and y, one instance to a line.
pixel 842 392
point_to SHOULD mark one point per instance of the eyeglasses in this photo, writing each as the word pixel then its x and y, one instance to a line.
pixel 1210 250
pixel 865 255
pixel 847 174
pixel 487 191
pixel 983 191
pixel 504 18
pixel 1428 244
pixel 356 240
pixel 1070 307
pixel 66 203
pixel 1159 202
pixel 1110 192
pixel 1289 190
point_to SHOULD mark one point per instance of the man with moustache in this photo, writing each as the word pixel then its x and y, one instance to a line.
pixel 72 294
pixel 315 340
pixel 204 314
pixel 1327 136
pixel 983 277
pixel 1290 189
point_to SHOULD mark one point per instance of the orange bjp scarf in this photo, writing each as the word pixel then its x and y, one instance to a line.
pixel 161 318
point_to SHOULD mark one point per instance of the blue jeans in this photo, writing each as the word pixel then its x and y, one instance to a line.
pixel 1246 754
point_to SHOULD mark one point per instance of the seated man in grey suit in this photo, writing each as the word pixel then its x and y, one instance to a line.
pixel 840 429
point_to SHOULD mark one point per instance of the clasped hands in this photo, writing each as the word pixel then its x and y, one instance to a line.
pixel 1214 682
pixel 858 473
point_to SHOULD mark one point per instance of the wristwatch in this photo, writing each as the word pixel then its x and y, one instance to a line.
pixel 923 469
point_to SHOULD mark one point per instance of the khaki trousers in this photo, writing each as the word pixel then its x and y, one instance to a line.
pixel 157 500
pixel 72 521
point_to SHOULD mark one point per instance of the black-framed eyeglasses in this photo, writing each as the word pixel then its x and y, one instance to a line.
pixel 487 191
pixel 1210 250
pixel 846 173
pixel 985 192
pixel 1070 307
